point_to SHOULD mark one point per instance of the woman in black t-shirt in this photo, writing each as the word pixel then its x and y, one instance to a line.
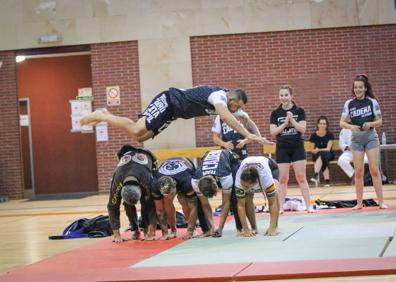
pixel 322 154
pixel 287 125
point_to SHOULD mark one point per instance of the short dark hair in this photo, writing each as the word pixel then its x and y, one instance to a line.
pixel 239 94
pixel 207 186
pixel 250 175
pixel 166 184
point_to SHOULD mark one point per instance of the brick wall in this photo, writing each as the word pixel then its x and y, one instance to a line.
pixel 319 64
pixel 11 169
pixel 114 64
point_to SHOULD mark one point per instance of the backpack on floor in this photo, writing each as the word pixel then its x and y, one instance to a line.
pixel 98 226
pixel 81 228
pixel 180 221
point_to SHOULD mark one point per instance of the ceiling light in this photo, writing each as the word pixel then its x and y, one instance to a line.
pixel 20 59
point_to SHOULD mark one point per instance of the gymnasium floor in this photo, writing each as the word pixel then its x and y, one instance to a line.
pixel 329 243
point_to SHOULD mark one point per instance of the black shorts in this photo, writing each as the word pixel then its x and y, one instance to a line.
pixel 290 154
pixel 158 113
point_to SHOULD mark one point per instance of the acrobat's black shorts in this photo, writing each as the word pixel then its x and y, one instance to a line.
pixel 291 153
pixel 158 113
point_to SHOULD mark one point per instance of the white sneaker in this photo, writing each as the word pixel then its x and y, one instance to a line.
pixel 315 181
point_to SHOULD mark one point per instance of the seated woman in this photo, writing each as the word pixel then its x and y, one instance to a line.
pixel 322 154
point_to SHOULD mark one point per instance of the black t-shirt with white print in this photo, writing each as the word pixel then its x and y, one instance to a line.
pixel 196 101
pixel 290 135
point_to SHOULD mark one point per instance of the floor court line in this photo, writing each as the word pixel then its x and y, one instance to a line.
pixel 293 233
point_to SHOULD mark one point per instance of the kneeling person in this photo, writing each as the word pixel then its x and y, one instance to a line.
pixel 255 173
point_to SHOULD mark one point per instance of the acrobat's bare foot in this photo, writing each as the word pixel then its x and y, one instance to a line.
pixel 93 118
pixel 311 210
pixel 358 207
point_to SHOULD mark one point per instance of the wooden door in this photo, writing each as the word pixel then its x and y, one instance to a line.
pixel 64 162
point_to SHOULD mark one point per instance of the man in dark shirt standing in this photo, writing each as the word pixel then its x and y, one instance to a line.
pixel 131 181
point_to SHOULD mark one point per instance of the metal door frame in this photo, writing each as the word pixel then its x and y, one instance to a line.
pixel 27 100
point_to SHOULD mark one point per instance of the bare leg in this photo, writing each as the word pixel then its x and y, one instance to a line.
pixel 171 215
pixel 184 204
pixel 162 218
pixel 299 171
pixel 326 173
pixel 145 136
pixel 318 165
pixel 250 213
pixel 225 208
pixel 358 163
pixel 207 209
pixel 192 217
pixel 284 169
pixel 136 130
pixel 373 158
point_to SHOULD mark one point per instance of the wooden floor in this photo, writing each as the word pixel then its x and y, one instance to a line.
pixel 26 225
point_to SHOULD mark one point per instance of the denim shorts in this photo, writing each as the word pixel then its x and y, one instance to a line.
pixel 364 140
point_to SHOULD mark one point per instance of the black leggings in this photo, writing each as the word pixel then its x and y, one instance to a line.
pixel 326 158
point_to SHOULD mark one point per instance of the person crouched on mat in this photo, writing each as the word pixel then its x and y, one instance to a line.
pixel 130 183
pixel 254 174
pixel 174 178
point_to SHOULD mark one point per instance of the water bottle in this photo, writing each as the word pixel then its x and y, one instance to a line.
pixel 383 138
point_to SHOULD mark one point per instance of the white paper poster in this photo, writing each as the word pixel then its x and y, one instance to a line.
pixel 24 120
pixel 101 132
pixel 85 92
pixel 76 107
pixel 80 108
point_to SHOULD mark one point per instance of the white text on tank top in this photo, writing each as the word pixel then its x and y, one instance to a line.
pixel 211 162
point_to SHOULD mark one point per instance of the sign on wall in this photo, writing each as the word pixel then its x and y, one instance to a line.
pixel 101 132
pixel 80 107
pixel 113 96
pixel 24 120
